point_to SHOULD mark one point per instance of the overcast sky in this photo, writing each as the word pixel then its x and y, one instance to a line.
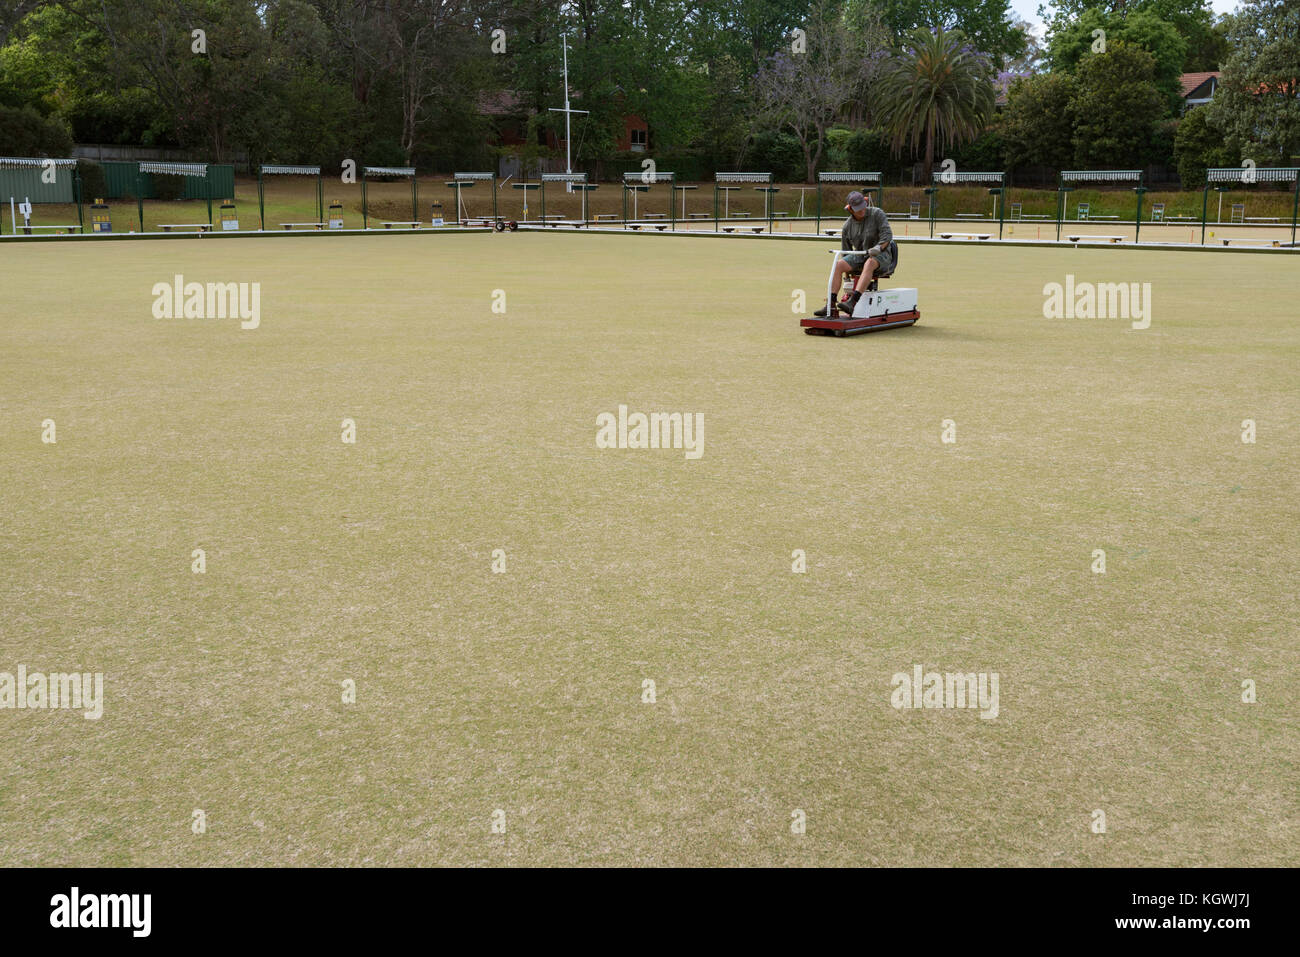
pixel 1028 9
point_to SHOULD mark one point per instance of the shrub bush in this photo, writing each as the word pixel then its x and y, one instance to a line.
pixel 836 155
pixel 985 152
pixel 777 153
pixel 868 151
pixel 1198 145
pixel 168 187
pixel 24 132
pixel 93 184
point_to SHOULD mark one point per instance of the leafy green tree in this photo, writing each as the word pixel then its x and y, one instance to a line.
pixel 938 92
pixel 777 152
pixel 24 132
pixel 985 152
pixel 1030 60
pixel 726 114
pixel 1258 98
pixel 1038 121
pixel 748 31
pixel 1198 145
pixel 624 58
pixel 1194 21
pixel 1071 42
pixel 868 150
pixel 1116 107
pixel 988 24
pixel 12 13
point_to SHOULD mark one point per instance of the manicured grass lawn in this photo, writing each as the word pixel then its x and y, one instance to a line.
pixel 522 691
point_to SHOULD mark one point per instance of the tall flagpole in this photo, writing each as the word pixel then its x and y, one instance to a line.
pixel 568 114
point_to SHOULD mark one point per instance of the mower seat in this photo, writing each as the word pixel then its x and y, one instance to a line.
pixel 871 287
pixel 893 248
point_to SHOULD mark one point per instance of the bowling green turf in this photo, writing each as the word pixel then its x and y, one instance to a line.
pixel 525 691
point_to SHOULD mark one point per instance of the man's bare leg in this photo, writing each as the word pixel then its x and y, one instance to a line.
pixel 842 269
pixel 868 273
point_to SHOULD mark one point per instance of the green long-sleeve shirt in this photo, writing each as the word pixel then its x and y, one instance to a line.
pixel 862 234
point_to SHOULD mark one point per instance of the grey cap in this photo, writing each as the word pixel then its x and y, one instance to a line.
pixel 856 202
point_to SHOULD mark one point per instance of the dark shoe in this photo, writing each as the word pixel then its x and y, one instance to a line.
pixel 820 313
pixel 848 306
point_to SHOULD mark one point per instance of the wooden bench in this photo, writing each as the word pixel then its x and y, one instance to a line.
pixel 659 226
pixel 416 225
pixel 971 216
pixel 740 215
pixel 832 232
pixel 66 229
pixel 201 227
pixel 1263 219
pixel 290 226
pixel 656 215
pixel 480 223
pixel 1181 219
pixel 1100 239
pixel 1274 243
pixel 732 229
pixel 700 216
pixel 965 235
pixel 607 217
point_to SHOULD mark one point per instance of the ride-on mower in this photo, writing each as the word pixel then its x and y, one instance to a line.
pixel 875 309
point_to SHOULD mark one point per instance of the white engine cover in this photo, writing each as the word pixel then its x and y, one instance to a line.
pixel 873 304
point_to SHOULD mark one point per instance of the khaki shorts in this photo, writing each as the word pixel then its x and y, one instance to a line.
pixel 885 262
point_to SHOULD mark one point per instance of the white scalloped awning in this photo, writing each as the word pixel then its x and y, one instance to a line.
pixel 743 177
pixel 952 176
pixel 26 162
pixel 474 176
pixel 175 169
pixel 564 177
pixel 1101 175
pixel 649 177
pixel 291 170
pixel 848 177
pixel 389 171
pixel 1237 174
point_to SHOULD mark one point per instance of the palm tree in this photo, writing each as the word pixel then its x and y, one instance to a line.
pixel 939 89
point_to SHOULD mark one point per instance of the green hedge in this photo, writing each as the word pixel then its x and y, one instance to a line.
pixel 24 132
pixel 93 184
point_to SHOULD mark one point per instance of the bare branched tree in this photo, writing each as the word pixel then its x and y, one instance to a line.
pixel 805 88
pixel 419 43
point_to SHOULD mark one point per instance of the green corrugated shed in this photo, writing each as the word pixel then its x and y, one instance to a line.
pixel 26 183
pixel 121 179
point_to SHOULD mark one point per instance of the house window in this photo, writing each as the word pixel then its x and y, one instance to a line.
pixel 638 141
